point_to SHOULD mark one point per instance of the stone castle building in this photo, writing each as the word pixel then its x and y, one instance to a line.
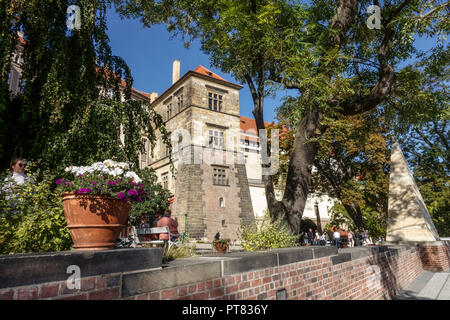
pixel 215 174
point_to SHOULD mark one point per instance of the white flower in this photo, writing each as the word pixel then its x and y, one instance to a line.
pixel 81 170
pixel 109 163
pixel 124 165
pixel 133 175
pixel 74 170
pixel 116 172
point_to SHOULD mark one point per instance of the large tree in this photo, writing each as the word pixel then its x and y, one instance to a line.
pixel 63 116
pixel 352 166
pixel 323 49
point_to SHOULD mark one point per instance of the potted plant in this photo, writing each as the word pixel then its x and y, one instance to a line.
pixel 221 245
pixel 97 201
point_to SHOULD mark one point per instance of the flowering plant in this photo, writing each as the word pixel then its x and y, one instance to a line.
pixel 109 178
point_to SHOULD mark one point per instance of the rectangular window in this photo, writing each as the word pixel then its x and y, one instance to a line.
pixel 215 101
pixel 169 111
pixel 220 176
pixel 215 139
pixel 180 102
pixel 165 180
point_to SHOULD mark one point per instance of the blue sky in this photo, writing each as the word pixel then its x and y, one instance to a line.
pixel 150 54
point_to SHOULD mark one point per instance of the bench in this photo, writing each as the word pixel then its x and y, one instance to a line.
pixel 158 231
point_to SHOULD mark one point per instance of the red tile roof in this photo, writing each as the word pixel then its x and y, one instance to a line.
pixel 250 124
pixel 206 72
pixel 147 95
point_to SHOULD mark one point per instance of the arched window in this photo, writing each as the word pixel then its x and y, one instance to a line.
pixel 221 202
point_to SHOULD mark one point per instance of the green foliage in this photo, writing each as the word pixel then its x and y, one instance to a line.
pixel 353 165
pixel 63 116
pixel 323 49
pixel 419 115
pixel 372 220
pixel 32 218
pixel 269 235
pixel 184 250
pixel 157 197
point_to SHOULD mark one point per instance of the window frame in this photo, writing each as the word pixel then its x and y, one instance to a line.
pixel 220 177
pixel 215 101
pixel 215 139
pixel 180 102
pixel 165 180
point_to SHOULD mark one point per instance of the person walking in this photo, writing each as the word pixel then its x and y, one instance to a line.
pixel 311 236
pixel 337 238
pixel 366 238
pixel 350 238
pixel 323 240
pixel 306 238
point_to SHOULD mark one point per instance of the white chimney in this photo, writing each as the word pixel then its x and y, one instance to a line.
pixel 176 71
pixel 153 96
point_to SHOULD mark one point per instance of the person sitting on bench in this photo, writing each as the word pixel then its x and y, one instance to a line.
pixel 166 220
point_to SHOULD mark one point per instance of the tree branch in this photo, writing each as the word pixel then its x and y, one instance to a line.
pixel 387 74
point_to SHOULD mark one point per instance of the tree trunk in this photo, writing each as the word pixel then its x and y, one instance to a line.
pixel 275 207
pixel 300 165
pixel 355 215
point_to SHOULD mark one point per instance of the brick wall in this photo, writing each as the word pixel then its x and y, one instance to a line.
pixel 104 287
pixel 316 279
pixel 312 273
pixel 435 256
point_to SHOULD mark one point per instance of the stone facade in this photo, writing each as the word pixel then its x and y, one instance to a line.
pixel 202 206
pixel 209 183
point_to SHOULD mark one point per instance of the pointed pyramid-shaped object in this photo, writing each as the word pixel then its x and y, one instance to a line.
pixel 408 217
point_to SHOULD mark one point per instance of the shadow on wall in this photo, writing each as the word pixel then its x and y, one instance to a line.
pixel 388 265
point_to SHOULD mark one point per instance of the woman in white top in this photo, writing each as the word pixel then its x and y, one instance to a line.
pixel 17 168
pixel 18 176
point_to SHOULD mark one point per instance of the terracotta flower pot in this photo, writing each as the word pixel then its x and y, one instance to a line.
pixel 94 221
pixel 221 247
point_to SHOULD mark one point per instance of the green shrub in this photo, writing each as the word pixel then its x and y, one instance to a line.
pixel 32 218
pixel 269 235
pixel 157 198
pixel 180 251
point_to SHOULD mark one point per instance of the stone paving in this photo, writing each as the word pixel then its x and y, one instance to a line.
pixel 428 286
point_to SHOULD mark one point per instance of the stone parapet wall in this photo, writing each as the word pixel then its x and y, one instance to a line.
pixel 361 273
pixel 338 277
